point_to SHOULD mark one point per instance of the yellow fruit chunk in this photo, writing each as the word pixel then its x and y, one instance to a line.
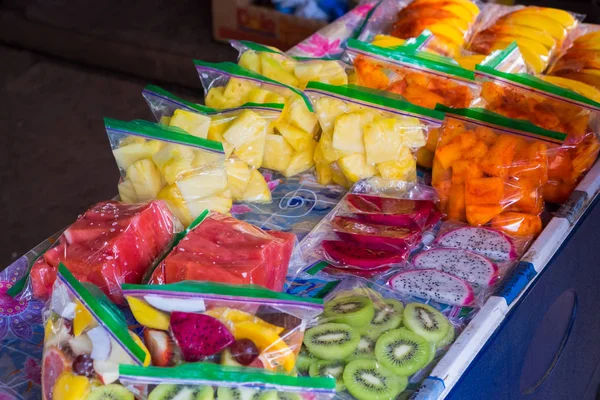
pixel 238 176
pixel 215 132
pixel 300 161
pixel 127 192
pixel 193 123
pixel 69 386
pixel 355 167
pixel 403 169
pixel 277 153
pixel 216 99
pixel 257 190
pixel 348 131
pixel 324 174
pixel 238 89
pixel 583 89
pixel 275 70
pixel 250 60
pixel 382 141
pixel 200 184
pixel 271 346
pixel 83 319
pixel 138 341
pixel 225 314
pixel 328 110
pixel 220 202
pixel 172 196
pixel 338 176
pixel 147 315
pixel 145 179
pixel 540 22
pixel 297 138
pixel 164 120
pixel 257 95
pixel 387 41
pixel 127 154
pixel 253 152
pixel 247 127
pixel 448 30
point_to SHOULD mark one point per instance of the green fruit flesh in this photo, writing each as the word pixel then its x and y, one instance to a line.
pixel 355 311
pixel 331 341
pixel 166 391
pixel 402 351
pixel 426 322
pixel 333 369
pixel 387 316
pixel 367 380
pixel 365 349
pixel 225 393
pixel 110 392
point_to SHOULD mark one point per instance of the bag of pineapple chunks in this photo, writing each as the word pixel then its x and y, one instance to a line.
pixel 295 72
pixel 86 338
pixel 290 149
pixel 205 381
pixel 366 133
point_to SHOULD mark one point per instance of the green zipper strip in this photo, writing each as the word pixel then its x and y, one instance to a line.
pixel 258 47
pixel 499 56
pixel 409 57
pixel 237 71
pixel 212 374
pixel 375 97
pixel 317 267
pixel 108 316
pixel 170 96
pixel 489 117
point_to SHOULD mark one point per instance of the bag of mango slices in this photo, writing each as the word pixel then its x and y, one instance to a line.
pixel 289 148
pixel 245 133
pixel 205 381
pixel 523 96
pixel 367 133
pixel 236 325
pixel 86 338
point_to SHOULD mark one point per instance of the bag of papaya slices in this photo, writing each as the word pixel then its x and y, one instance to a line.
pixel 241 325
pixel 86 338
pixel 369 330
pixel 205 381
pixel 522 96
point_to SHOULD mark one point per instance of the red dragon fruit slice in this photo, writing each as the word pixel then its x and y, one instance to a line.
pixel 433 284
pixel 199 336
pixel 390 211
pixel 464 264
pixel 364 273
pixel 362 256
pixel 488 242
pixel 375 235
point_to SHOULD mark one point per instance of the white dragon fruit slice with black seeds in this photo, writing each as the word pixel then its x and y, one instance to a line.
pixel 464 264
pixel 488 242
pixel 435 285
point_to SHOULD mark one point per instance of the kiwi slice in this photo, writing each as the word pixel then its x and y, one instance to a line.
pixel 110 392
pixel 355 311
pixel 331 341
pixel 304 360
pixel 387 316
pixel 368 380
pixel 166 391
pixel 426 321
pixel 276 395
pixel 242 393
pixel 446 340
pixel 403 352
pixel 333 369
pixel 365 349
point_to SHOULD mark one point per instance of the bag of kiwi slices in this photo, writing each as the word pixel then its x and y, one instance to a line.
pixel 205 381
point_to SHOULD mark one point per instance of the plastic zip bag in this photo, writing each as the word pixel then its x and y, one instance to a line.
pixel 86 338
pixel 236 325
pixel 491 169
pixel 367 133
pixel 209 381
pixel 551 107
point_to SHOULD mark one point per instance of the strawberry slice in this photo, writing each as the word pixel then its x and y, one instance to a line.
pixel 160 346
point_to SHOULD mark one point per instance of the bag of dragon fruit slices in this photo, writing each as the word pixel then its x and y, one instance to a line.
pixel 86 338
pixel 206 381
pixel 239 325
pixel 368 327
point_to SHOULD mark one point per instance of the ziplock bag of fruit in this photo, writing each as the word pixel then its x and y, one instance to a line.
pixel 205 381
pixel 241 325
pixel 373 227
pixel 461 267
pixel 366 133
pixel 551 107
pixel 489 169
pixel 219 248
pixel 296 72
pixel 373 342
pixel 109 244
pixel 86 338
pixel 580 61
pixel 290 143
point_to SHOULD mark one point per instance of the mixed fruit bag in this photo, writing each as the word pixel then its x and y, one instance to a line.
pixel 244 133
pixel 86 339
pixel 235 325
pixel 110 244
pixel 373 342
pixel 367 133
pixel 290 143
pixel 489 169
pixel 205 381
pixel 219 248
pixel 551 107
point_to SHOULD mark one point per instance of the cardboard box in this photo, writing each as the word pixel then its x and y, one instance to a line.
pixel 241 20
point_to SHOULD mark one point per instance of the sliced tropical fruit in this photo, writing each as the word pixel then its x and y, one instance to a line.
pixel 148 315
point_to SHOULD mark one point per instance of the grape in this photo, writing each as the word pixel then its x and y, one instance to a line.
pixel 244 351
pixel 83 365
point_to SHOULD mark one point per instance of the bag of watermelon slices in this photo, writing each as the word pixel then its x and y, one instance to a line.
pixel 86 338
pixel 239 325
pixel 369 329
pixel 205 381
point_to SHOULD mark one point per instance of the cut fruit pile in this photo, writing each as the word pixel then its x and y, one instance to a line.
pixel 581 62
pixel 167 391
pixel 372 347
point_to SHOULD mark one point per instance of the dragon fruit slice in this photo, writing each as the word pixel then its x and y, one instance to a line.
pixel 361 256
pixel 375 235
pixel 198 335
pixel 433 284
pixel 488 242
pixel 464 264
pixel 390 211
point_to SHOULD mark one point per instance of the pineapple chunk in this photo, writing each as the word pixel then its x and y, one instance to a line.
pixel 171 195
pixel 297 138
pixel 216 99
pixel 174 169
pixel 382 140
pixel 277 153
pixel 145 179
pixel 172 152
pixel 127 192
pixel 257 190
pixel 355 167
pixel 250 60
pixel 348 131
pixel 215 133
pixel 301 161
pixel 275 70
pixel 198 185
pixel 338 176
pixel 220 202
pixel 238 176
pixel 324 173
pixel 253 152
pixel 164 120
pixel 300 116
pixel 308 71
pixel 403 169
pixel 193 123
pixel 238 89
pixel 247 127
pixel 275 98
pixel 257 95
pixel 203 158
pixel 412 132
pixel 333 73
pixel 328 153
pixel 328 110
pixel 125 155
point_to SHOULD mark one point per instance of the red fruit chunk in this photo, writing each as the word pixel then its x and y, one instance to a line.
pixel 160 347
pixel 54 363
pixel 244 351
pixel 375 235
pixel 199 336
pixel 354 254
pixel 391 211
